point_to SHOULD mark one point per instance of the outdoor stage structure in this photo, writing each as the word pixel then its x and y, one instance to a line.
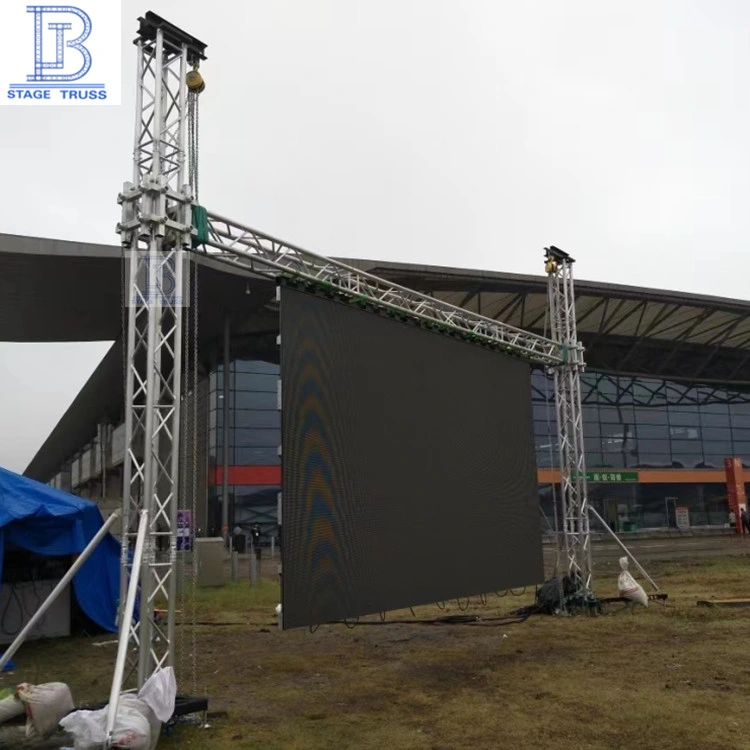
pixel 162 227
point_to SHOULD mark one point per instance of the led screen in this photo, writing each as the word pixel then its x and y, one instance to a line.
pixel 408 466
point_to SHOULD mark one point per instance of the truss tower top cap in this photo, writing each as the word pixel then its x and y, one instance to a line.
pixel 555 253
pixel 173 36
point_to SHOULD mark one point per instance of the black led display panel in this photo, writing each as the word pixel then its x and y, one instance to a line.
pixel 408 466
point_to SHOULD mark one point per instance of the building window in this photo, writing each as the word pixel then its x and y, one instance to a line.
pixel 647 422
pixel 254 417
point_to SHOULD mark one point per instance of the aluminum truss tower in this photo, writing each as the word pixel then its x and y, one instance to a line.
pixel 567 377
pixel 155 233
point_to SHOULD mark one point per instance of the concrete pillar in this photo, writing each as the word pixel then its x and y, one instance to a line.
pixel 65 478
pixel 226 390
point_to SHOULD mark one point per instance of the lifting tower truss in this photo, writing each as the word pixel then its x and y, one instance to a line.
pixel 572 458
pixel 157 229
pixel 155 232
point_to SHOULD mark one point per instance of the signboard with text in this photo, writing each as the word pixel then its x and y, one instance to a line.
pixel 184 527
pixel 611 476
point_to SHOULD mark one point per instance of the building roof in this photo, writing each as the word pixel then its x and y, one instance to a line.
pixel 64 291
pixel 52 290
pixel 697 337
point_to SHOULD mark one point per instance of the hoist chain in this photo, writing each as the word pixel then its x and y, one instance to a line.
pixel 183 485
pixel 194 493
pixel 192 353
pixel 193 142
pixel 124 281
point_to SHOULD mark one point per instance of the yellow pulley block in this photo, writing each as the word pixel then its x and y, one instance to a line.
pixel 195 81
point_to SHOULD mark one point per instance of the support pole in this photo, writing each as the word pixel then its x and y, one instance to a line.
pixel 125 624
pixel 253 568
pixel 225 434
pixel 625 549
pixel 103 437
pixel 150 479
pixel 64 581
pixel 235 565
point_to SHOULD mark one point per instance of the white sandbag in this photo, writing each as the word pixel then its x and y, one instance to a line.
pixel 629 587
pixel 11 707
pixel 132 729
pixel 45 705
pixel 134 703
pixel 139 717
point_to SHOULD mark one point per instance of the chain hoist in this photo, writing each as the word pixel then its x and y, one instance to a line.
pixel 196 85
pixel 194 493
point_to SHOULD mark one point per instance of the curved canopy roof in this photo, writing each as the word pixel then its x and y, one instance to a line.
pixel 64 291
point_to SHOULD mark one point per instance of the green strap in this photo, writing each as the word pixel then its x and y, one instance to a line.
pixel 200 224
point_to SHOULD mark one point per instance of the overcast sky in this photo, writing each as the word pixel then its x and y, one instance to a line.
pixel 464 132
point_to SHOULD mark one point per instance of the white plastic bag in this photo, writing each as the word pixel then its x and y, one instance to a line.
pixel 629 587
pixel 86 728
pixel 159 692
pixel 45 705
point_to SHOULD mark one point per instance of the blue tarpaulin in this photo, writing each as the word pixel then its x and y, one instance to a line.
pixel 48 521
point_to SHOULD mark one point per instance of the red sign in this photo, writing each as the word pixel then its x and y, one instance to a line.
pixel 246 475
pixel 735 489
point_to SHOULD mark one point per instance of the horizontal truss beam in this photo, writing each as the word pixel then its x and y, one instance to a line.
pixel 262 254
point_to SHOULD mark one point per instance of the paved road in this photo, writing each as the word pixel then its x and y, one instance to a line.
pixel 605 552
pixel 668 548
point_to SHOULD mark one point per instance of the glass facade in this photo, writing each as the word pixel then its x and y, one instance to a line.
pixel 630 507
pixel 647 424
pixel 254 439
pixel 633 424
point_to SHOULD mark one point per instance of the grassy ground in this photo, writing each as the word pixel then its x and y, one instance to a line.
pixel 673 678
